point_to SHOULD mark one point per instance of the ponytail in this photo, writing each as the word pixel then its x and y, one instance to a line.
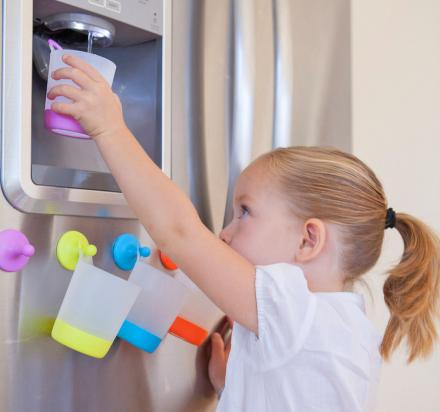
pixel 411 290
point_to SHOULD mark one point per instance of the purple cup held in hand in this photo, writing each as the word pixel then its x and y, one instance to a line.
pixel 60 123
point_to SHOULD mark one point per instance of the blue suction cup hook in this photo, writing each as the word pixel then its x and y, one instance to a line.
pixel 125 250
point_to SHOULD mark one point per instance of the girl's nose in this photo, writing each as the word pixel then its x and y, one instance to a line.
pixel 225 235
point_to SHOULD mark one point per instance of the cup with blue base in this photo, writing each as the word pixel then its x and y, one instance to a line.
pixel 159 301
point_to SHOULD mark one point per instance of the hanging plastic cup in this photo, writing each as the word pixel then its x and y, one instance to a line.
pixel 192 324
pixel 194 320
pixel 159 302
pixel 94 307
pixel 60 123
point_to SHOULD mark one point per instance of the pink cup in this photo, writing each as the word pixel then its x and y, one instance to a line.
pixel 59 123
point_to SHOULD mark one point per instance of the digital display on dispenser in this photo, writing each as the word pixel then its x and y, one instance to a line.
pixel 62 161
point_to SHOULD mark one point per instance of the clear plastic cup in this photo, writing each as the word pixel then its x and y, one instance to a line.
pixel 160 300
pixel 195 318
pixel 63 124
pixel 94 307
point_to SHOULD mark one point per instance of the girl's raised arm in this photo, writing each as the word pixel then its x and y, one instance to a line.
pixel 164 210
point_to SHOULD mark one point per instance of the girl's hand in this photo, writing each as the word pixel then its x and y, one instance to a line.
pixel 94 105
pixel 220 348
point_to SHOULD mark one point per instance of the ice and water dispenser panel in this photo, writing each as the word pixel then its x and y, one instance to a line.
pixel 45 172
pixel 63 162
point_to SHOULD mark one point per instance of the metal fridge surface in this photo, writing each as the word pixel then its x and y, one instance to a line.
pixel 239 78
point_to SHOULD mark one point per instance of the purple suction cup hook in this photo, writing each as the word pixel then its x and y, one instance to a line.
pixel 15 250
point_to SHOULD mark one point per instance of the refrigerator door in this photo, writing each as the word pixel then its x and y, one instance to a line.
pixel 239 78
pixel 254 75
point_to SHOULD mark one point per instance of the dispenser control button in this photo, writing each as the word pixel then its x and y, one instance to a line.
pixel 167 262
pixel 100 3
pixel 114 5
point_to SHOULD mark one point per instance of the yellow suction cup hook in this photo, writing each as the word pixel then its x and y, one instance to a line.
pixel 69 246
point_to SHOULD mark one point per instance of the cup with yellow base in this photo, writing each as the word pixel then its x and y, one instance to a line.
pixel 94 307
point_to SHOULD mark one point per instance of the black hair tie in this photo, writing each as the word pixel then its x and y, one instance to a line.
pixel 390 220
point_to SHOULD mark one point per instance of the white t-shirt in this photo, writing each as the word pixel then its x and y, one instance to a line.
pixel 315 351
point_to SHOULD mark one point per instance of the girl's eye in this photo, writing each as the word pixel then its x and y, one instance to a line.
pixel 244 210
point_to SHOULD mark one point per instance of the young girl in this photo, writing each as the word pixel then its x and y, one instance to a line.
pixel 307 223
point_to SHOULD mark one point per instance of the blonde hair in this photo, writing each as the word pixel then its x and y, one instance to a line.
pixel 337 187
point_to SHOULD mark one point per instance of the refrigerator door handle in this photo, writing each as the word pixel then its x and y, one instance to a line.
pixel 241 95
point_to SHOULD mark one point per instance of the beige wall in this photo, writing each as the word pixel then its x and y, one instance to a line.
pixel 396 130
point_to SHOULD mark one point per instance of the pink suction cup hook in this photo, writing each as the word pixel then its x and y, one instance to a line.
pixel 15 250
pixel 54 45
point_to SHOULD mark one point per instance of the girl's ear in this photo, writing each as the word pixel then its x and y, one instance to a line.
pixel 312 240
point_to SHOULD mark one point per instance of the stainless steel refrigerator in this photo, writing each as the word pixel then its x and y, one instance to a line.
pixel 206 86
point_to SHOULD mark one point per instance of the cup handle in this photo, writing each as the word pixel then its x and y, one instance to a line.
pixel 54 45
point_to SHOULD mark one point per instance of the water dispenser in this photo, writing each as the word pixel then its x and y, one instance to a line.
pixel 44 172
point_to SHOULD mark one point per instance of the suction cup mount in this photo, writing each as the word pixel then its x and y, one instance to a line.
pixel 69 247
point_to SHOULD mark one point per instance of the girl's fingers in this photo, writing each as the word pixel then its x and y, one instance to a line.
pixel 68 109
pixel 224 325
pixel 227 337
pixel 228 345
pixel 82 65
pixel 218 348
pixel 76 75
pixel 221 339
pixel 71 92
